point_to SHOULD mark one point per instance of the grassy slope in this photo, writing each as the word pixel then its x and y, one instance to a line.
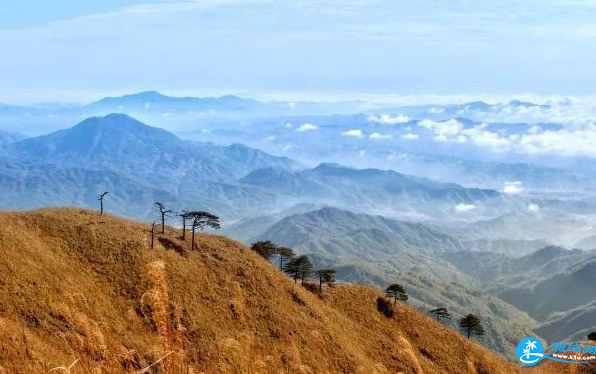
pixel 74 285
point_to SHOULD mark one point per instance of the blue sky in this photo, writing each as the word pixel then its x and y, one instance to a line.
pixel 75 50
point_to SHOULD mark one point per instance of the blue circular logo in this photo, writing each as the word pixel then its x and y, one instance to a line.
pixel 530 351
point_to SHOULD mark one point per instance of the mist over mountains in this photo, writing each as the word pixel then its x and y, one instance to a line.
pixel 466 207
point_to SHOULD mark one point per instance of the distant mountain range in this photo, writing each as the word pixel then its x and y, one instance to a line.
pixel 137 163
pixel 167 111
pixel 375 250
pixel 122 155
pixel 355 133
pixel 548 283
pixel 371 190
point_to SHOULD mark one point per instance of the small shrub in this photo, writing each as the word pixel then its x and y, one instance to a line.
pixel 384 306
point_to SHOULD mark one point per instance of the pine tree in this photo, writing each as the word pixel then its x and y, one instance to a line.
pixel 396 292
pixel 200 220
pixel 264 248
pixel 299 268
pixel 471 324
pixel 441 313
pixel 325 276
pixel 284 253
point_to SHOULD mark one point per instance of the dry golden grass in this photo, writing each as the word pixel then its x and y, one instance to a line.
pixel 77 286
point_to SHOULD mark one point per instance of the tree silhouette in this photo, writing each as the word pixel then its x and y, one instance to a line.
pixel 298 268
pixel 153 226
pixel 471 324
pixel 164 212
pixel 100 198
pixel 200 220
pixel 441 313
pixel 592 336
pixel 184 215
pixel 325 276
pixel 396 292
pixel 284 253
pixel 265 248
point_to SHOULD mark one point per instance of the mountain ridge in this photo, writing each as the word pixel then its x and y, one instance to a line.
pixel 106 301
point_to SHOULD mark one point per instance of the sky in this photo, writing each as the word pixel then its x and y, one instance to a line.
pixel 72 50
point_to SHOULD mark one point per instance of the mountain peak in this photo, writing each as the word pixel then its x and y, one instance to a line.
pixel 111 136
pixel 118 122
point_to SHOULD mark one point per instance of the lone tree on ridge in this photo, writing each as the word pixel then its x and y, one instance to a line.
pixel 396 292
pixel 100 198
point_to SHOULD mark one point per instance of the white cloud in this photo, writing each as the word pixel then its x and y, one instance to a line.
pixel 410 136
pixel 513 188
pixel 444 130
pixel 379 136
pixel 288 125
pixel 270 138
pixel 362 153
pixel 533 208
pixel 287 147
pixel 307 127
pixel 556 110
pixel 355 133
pixel 464 207
pixel 392 156
pixel 387 119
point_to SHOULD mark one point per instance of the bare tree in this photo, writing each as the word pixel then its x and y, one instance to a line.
pixel 184 215
pixel 164 212
pixel 153 226
pixel 200 220
pixel 100 198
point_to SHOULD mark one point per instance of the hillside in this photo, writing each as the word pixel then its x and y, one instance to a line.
pixel 544 297
pixel 377 251
pixel 77 286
